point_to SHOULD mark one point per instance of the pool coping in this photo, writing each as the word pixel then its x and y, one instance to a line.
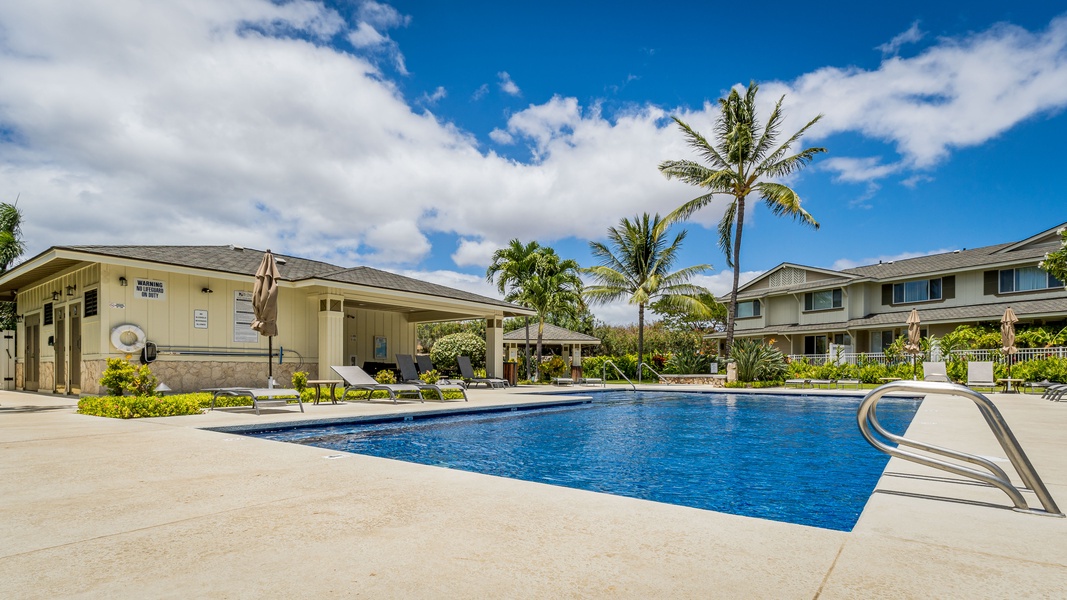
pixel 110 498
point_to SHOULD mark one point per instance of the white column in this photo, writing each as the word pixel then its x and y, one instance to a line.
pixel 494 347
pixel 331 335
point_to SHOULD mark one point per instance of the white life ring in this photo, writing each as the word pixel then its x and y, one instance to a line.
pixel 118 332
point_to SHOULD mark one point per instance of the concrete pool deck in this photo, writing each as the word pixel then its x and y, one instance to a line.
pixel 94 507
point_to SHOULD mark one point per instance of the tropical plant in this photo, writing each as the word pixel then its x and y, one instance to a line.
pixel 757 361
pixel 11 248
pixel 385 377
pixel 740 162
pixel 552 368
pixel 512 267
pixel 637 266
pixel 300 381
pixel 1055 263
pixel 117 376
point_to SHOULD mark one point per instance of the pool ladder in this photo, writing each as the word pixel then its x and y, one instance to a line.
pixel 867 418
pixel 604 374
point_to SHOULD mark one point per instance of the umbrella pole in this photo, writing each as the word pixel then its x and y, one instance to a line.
pixel 270 361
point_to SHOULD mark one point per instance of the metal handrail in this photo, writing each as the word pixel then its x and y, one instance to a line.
pixel 604 374
pixel 647 366
pixel 867 418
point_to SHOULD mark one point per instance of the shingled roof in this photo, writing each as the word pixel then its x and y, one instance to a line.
pixel 553 334
pixel 245 261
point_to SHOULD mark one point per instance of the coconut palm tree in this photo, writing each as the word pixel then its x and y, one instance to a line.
pixel 637 267
pixel 11 247
pixel 554 289
pixel 512 267
pixel 744 157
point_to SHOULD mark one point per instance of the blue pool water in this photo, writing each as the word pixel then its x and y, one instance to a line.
pixel 798 459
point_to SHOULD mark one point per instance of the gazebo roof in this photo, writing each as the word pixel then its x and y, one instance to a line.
pixel 553 335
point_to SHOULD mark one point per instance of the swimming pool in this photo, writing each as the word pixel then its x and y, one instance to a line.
pixel 798 459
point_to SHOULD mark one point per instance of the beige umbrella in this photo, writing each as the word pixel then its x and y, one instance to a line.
pixel 1007 338
pixel 265 305
pixel 913 346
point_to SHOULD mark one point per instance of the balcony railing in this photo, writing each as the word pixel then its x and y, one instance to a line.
pixel 852 358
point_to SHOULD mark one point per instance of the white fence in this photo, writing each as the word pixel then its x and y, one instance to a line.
pixel 852 358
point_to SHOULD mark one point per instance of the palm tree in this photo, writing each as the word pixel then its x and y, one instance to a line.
pixel 554 289
pixel 637 266
pixel 512 267
pixel 743 157
pixel 11 247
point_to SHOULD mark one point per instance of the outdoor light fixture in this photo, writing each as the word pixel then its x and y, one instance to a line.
pixel 70 289
pixel 123 282
pixel 55 296
pixel 207 291
pixel 18 318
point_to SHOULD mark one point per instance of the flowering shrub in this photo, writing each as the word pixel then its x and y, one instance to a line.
pixel 1055 263
pixel 445 350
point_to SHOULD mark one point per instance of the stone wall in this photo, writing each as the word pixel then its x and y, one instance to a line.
pixel 47 377
pixel 712 380
pixel 192 376
pixel 20 374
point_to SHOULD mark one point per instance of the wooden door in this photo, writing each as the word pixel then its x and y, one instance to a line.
pixel 32 358
pixel 75 351
pixel 59 348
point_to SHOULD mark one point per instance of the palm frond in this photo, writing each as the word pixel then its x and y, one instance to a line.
pixel 782 150
pixel 782 200
pixel 726 233
pixel 793 163
pixel 703 147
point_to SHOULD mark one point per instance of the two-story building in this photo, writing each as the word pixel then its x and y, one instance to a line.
pixel 809 310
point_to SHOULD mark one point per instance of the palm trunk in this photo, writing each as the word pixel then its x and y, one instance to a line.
pixel 540 336
pixel 731 315
pixel 640 338
pixel 527 361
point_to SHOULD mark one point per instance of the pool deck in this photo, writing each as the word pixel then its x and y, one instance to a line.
pixel 94 507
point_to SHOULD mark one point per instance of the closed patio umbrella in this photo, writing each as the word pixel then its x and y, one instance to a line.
pixel 1007 338
pixel 265 306
pixel 913 346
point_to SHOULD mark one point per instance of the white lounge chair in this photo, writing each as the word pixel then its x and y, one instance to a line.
pixel 467 372
pixel 410 374
pixel 356 379
pixel 935 371
pixel 980 374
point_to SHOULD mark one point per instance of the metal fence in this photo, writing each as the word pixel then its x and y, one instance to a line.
pixel 853 358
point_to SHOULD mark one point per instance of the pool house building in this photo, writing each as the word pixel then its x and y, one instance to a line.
pixel 815 313
pixel 80 305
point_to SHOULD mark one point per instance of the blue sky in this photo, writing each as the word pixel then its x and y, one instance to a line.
pixel 419 136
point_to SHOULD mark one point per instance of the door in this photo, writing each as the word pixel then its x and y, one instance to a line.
pixel 32 357
pixel 75 369
pixel 59 349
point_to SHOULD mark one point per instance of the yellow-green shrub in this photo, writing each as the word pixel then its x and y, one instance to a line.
pixel 137 407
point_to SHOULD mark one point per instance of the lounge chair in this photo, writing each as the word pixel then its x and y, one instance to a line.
pixel 467 372
pixel 935 371
pixel 425 365
pixel 410 374
pixel 563 380
pixel 260 396
pixel 849 382
pixel 980 374
pixel 821 382
pixel 797 382
pixel 356 379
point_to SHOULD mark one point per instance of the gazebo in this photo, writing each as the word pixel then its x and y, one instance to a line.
pixel 555 341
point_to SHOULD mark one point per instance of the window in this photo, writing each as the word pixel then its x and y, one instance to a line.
pixel 1025 279
pixel 842 339
pixel 815 344
pixel 917 291
pixel 824 300
pixel 880 340
pixel 748 309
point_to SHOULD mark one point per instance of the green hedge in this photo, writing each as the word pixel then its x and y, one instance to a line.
pixel 137 407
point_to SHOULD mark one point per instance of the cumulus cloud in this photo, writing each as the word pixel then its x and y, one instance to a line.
pixel 373 19
pixel 480 92
pixel 909 36
pixel 433 98
pixel 958 93
pixel 475 253
pixel 213 122
pixel 507 85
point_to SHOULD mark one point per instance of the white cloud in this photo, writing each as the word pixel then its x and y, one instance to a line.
pixel 722 282
pixel 438 94
pixel 501 137
pixel 475 253
pixel 507 85
pixel 909 36
pixel 855 170
pixel 480 92
pixel 366 36
pixel 958 93
pixel 373 19
pixel 460 281
pixel 193 123
pixel 381 15
pixel 848 263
